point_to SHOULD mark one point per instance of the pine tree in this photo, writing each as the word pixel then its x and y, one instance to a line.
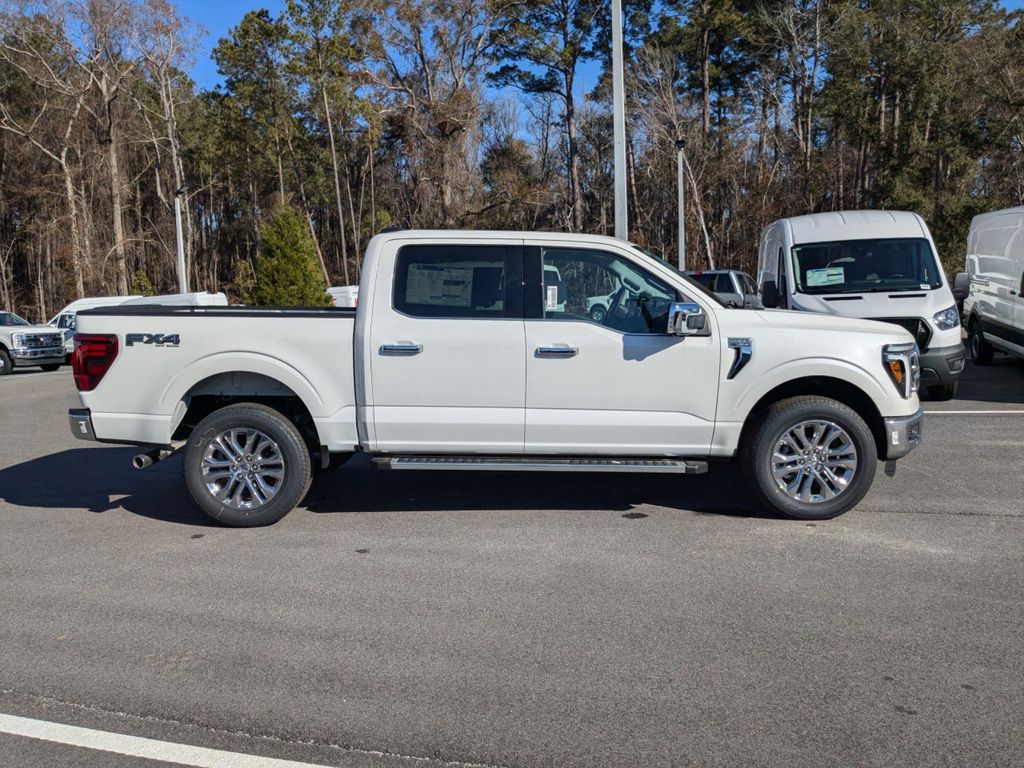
pixel 287 270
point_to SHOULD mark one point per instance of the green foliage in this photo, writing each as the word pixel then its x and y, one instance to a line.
pixel 244 282
pixel 141 284
pixel 287 269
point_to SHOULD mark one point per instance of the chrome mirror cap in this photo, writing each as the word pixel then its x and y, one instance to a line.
pixel 686 319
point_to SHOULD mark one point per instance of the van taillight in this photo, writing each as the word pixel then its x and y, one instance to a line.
pixel 94 354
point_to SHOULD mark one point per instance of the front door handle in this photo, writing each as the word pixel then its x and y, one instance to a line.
pixel 556 351
pixel 401 350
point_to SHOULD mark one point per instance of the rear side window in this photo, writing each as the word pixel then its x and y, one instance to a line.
pixel 459 281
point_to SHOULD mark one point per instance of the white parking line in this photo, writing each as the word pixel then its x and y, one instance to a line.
pixel 975 413
pixel 135 746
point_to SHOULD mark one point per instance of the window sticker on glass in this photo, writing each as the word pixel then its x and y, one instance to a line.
pixel 551 298
pixel 826 276
pixel 439 285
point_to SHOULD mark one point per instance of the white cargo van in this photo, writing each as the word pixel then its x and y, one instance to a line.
pixel 994 306
pixel 878 265
pixel 66 318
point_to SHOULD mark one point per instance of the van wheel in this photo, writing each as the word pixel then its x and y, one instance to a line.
pixel 247 465
pixel 939 392
pixel 6 366
pixel 51 367
pixel 981 350
pixel 810 458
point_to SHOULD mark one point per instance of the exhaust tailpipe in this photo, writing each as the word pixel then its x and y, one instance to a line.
pixel 143 460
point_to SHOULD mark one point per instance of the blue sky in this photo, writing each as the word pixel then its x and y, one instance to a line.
pixel 219 16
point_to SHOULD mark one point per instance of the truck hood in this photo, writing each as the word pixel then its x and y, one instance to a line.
pixel 12 329
pixel 809 321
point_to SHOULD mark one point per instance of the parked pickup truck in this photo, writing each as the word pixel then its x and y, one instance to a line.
pixel 24 344
pixel 463 356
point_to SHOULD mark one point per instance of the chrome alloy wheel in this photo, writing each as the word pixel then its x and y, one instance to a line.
pixel 814 461
pixel 243 468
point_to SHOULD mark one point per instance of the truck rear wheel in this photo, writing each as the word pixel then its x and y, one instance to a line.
pixel 247 465
pixel 810 458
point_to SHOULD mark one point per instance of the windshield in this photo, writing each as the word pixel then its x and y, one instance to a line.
pixel 689 280
pixel 9 318
pixel 862 266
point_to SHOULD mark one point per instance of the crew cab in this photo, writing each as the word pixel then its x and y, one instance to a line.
pixel 462 355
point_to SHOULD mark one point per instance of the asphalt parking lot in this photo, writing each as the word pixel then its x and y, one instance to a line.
pixel 430 619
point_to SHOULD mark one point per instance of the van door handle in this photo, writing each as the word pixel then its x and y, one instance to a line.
pixel 401 350
pixel 556 351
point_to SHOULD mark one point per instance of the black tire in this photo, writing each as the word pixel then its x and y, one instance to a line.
pixel 51 367
pixel 939 392
pixel 6 364
pixel 981 350
pixel 294 454
pixel 759 446
pixel 598 313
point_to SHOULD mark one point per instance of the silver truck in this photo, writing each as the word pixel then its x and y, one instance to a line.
pixel 22 343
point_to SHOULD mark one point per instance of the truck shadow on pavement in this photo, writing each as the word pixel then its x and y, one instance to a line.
pixel 100 479
pixel 358 487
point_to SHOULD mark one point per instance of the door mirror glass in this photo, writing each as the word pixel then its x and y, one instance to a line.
pixel 961 286
pixel 685 319
pixel 770 294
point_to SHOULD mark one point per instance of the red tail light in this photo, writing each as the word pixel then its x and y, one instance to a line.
pixel 94 354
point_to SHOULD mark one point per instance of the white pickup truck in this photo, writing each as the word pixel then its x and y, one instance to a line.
pixel 464 354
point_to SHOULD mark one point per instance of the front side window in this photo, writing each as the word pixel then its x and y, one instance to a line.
pixel 584 284
pixel 457 281
pixel 862 266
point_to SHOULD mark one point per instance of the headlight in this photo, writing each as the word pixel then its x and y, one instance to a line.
pixel 902 363
pixel 18 339
pixel 947 318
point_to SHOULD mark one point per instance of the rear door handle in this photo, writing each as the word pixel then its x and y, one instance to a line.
pixel 556 351
pixel 401 350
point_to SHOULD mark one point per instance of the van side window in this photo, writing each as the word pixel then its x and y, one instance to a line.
pixel 458 281
pixel 604 288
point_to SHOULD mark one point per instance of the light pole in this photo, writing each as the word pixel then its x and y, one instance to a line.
pixel 619 124
pixel 681 192
pixel 182 274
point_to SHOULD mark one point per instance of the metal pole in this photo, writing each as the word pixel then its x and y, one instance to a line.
pixel 619 122
pixel 182 275
pixel 681 191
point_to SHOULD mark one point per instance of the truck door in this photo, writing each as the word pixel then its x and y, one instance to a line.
pixel 621 386
pixel 446 347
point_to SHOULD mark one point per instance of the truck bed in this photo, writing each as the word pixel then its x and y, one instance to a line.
pixel 168 355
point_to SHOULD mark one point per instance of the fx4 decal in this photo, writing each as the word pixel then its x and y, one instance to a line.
pixel 157 339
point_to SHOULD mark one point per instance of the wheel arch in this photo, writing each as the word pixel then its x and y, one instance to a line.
pixel 821 386
pixel 231 387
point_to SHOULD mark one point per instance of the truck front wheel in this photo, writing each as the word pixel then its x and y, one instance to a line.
pixel 247 465
pixel 811 458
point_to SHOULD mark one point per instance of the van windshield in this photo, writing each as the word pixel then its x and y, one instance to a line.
pixel 863 266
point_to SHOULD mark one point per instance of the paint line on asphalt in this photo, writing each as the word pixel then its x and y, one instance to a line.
pixel 136 746
pixel 975 413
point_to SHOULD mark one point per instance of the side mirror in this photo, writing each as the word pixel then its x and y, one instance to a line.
pixel 685 319
pixel 770 294
pixel 731 299
pixel 961 286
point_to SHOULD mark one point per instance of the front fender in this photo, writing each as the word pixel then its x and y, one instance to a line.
pixel 747 390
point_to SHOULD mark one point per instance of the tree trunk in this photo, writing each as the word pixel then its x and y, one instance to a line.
pixel 120 255
pixel 576 194
pixel 76 237
pixel 337 182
